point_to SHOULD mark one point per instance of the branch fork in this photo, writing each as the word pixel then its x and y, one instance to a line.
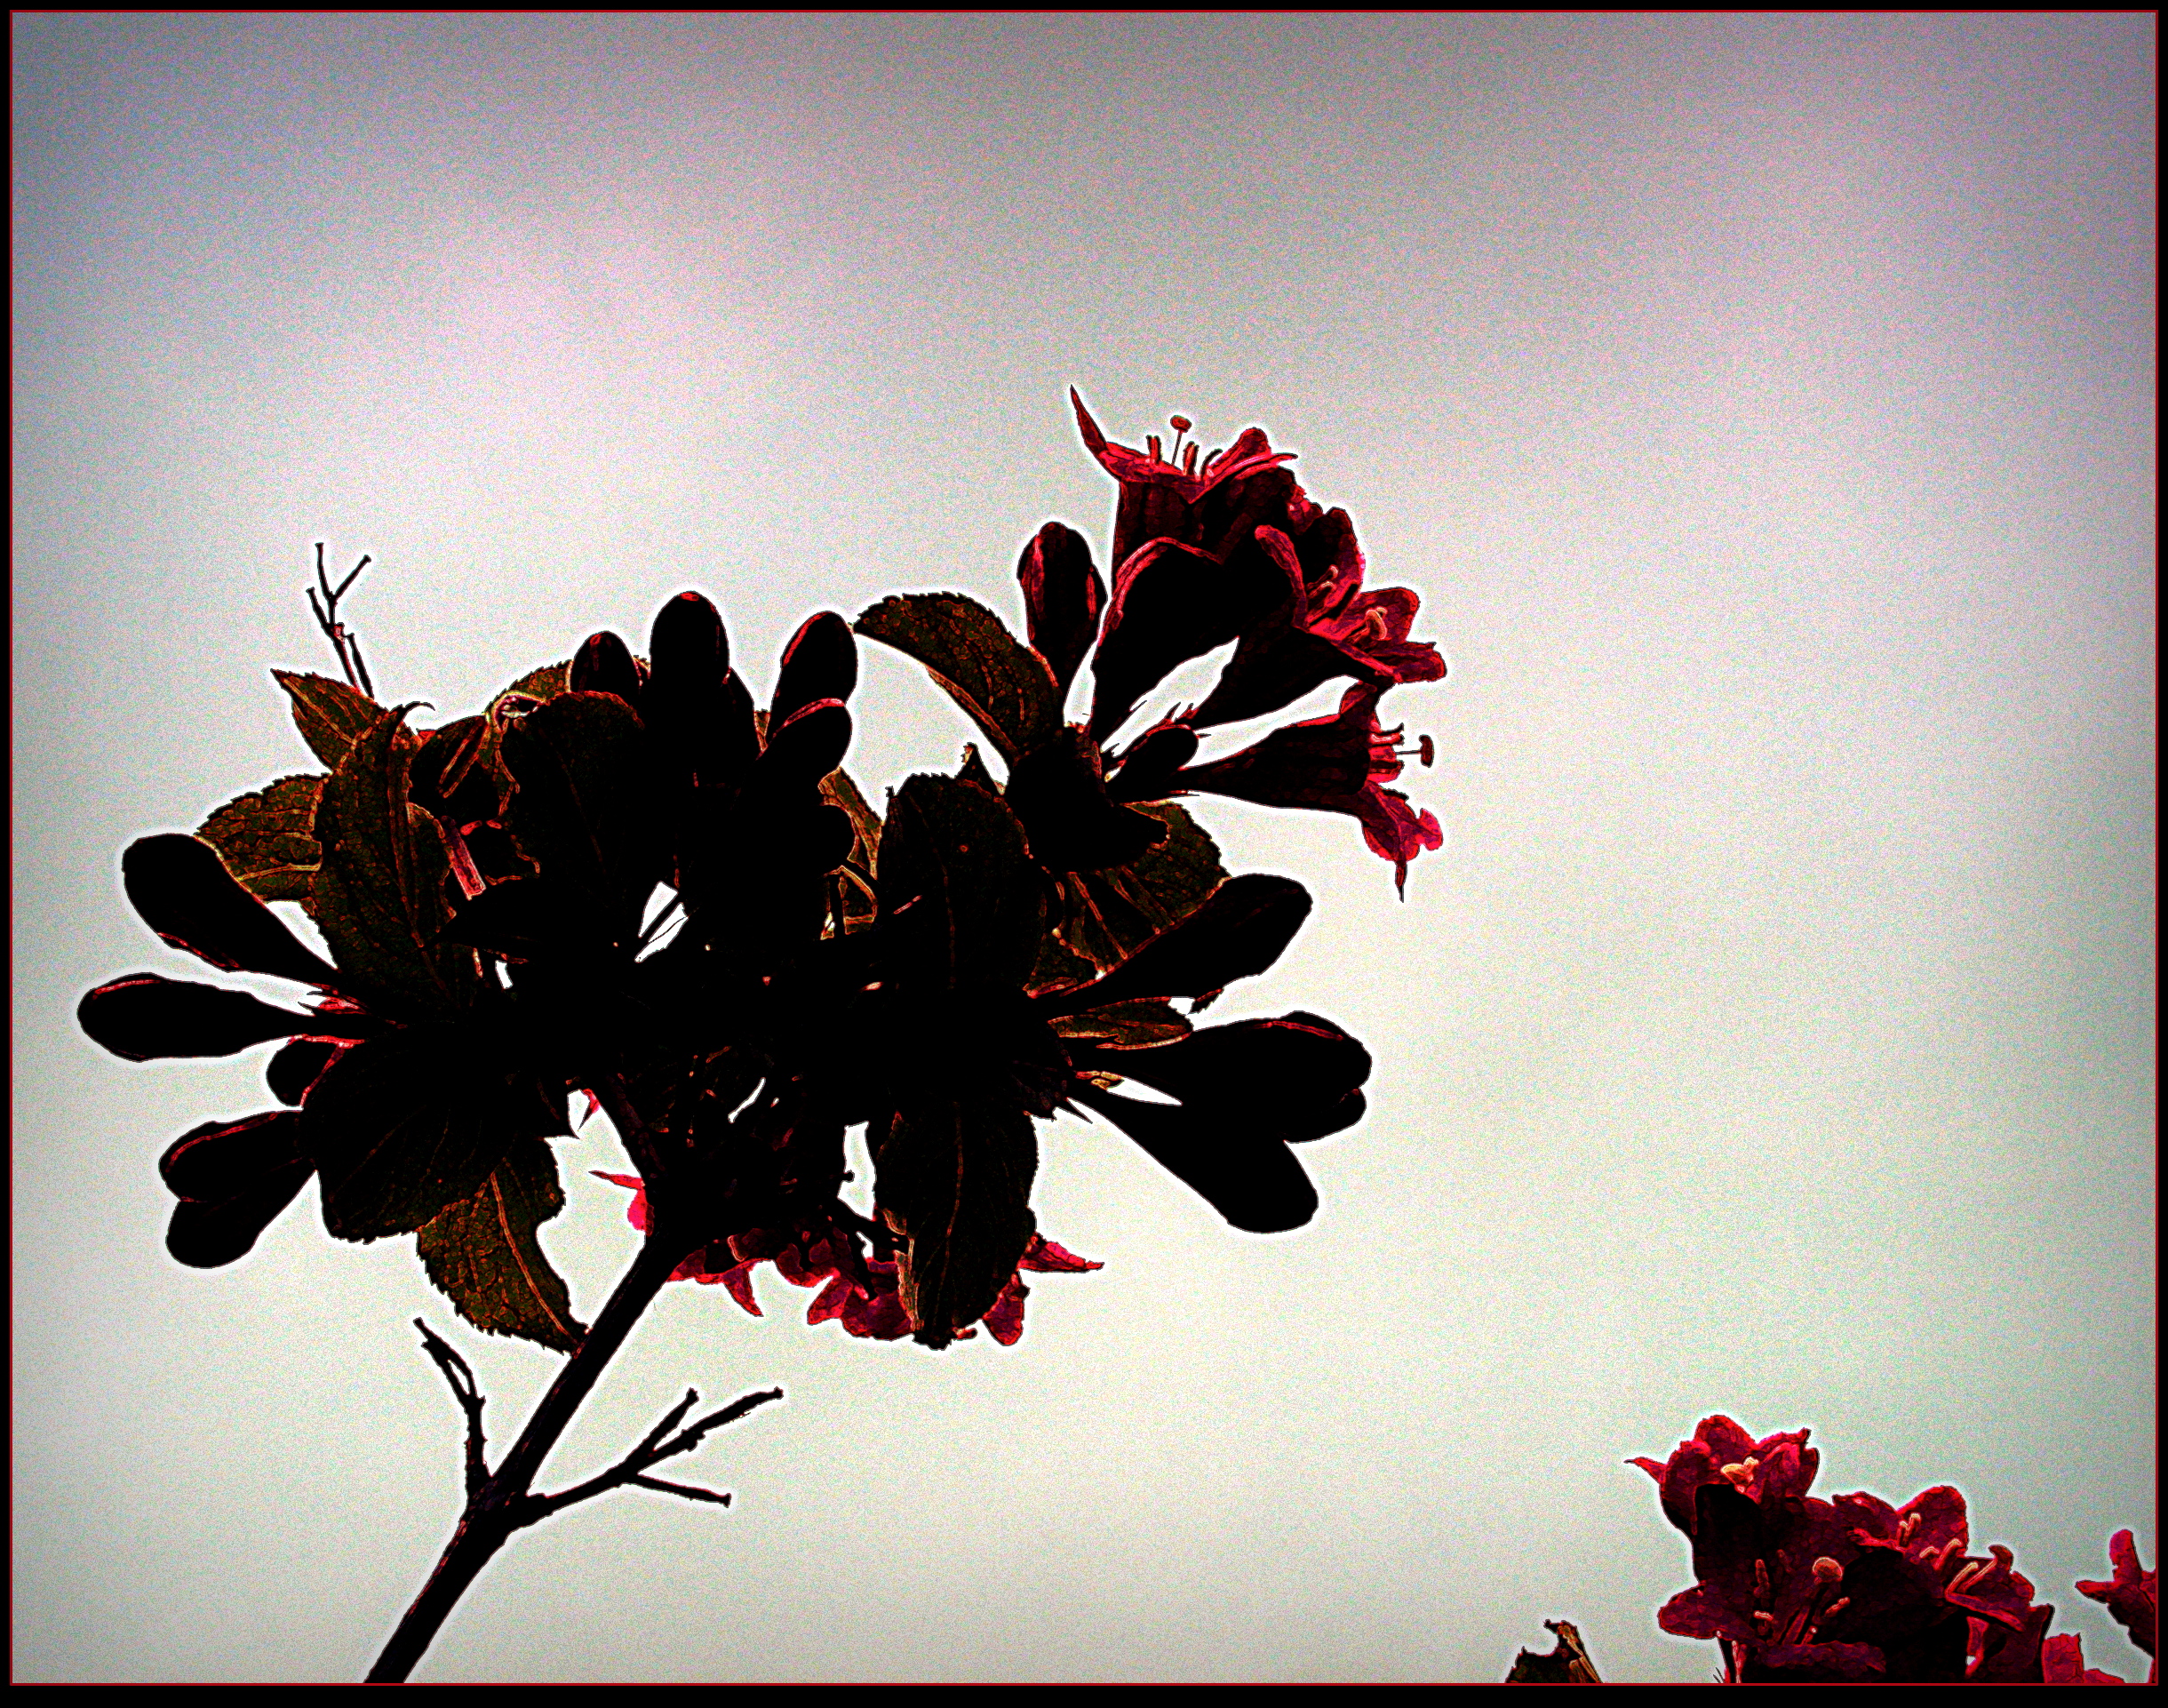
pixel 502 1502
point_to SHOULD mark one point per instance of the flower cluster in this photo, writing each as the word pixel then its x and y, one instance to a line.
pixel 1799 1590
pixel 628 879
pixel 1230 549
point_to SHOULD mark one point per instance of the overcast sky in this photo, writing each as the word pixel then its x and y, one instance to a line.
pixel 1762 407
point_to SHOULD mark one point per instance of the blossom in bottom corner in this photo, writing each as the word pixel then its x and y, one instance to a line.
pixel 1777 1467
pixel 2132 1598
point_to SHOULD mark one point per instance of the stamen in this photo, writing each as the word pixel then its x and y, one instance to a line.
pixel 1738 1475
pixel 1764 1621
pixel 1971 1572
pixel 2002 1556
pixel 1761 1580
pixel 1180 423
pixel 1827 1571
pixel 1429 749
pixel 1908 1529
pixel 1953 1549
pixel 1152 445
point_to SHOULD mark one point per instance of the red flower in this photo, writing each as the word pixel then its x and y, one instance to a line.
pixel 1176 498
pixel 1338 764
pixel 1803 1590
pixel 861 1293
pixel 1189 573
pixel 1777 1467
pixel 1326 626
pixel 2063 1660
pixel 2134 1598
pixel 1771 1577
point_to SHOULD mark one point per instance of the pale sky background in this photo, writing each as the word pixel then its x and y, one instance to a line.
pixel 1763 408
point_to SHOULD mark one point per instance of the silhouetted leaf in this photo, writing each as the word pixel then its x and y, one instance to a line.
pixel 483 1255
pixel 1057 792
pixel 545 681
pixel 404 1127
pixel 955 856
pixel 331 715
pixel 1295 1079
pixel 1056 966
pixel 954 1178
pixel 584 805
pixel 1003 685
pixel 1110 913
pixel 1239 931
pixel 379 894
pixel 267 838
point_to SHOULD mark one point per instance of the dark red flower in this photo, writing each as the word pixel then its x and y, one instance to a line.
pixel 1326 626
pixel 2063 1660
pixel 1210 505
pixel 1338 764
pixel 1777 1467
pixel 1189 573
pixel 1771 1577
pixel 1062 597
pixel 2132 1597
pixel 861 1293
pixel 1803 1590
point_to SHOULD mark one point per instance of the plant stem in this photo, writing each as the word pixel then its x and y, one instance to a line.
pixel 504 1503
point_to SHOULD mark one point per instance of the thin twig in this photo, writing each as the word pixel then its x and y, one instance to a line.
pixel 467 1391
pixel 653 1449
pixel 343 644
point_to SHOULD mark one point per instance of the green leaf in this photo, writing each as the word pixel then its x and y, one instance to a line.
pixel 1109 913
pixel 1004 687
pixel 1056 965
pixel 584 805
pixel 380 893
pixel 543 682
pixel 954 1178
pixel 331 715
pixel 483 1255
pixel 838 789
pixel 267 839
pixel 955 856
pixel 1135 1024
pixel 405 1126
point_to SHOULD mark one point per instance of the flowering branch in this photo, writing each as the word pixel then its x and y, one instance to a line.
pixel 985 953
